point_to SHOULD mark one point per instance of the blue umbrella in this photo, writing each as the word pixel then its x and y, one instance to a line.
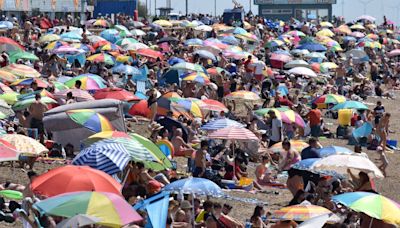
pixel 312 47
pixel 349 38
pixel 308 165
pixel 110 158
pixel 174 60
pixel 350 105
pixel 193 42
pixel 230 40
pixel 220 123
pixel 6 25
pixel 332 150
pixel 196 186
pixel 237 30
pixel 282 52
pixel 126 69
pixel 206 54
pixel 111 35
pixel 71 36
pixel 364 131
pixel 283 90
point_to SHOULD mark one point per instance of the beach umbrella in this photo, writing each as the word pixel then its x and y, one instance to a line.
pixel 65 179
pixel 101 58
pixel 349 38
pixel 6 25
pixel 195 186
pixel 21 71
pixel 137 32
pixel 78 221
pixel 341 163
pixel 136 24
pixel 188 67
pixel 197 77
pixel 163 23
pixel 9 45
pixel 105 135
pixel 357 34
pixel 110 47
pixel 126 41
pixel 297 63
pixel 204 28
pixel 95 39
pixel 24 144
pixel 49 38
pixel 14 56
pixel 5 89
pixel 285 114
pixel 274 43
pixel 358 55
pixel 370 44
pixel 28 82
pixel 111 209
pixel 67 50
pixel 78 94
pixel 134 46
pixel 150 53
pixel 9 98
pixel 312 47
pixel 194 42
pixel 374 205
pixel 333 150
pixel 90 120
pixel 89 82
pixel 6 76
pixel 108 157
pixel 101 23
pixel 126 69
pixel 233 133
pixel 296 33
pixel 115 93
pixel 230 39
pixel 71 36
pixel 168 39
pixel 221 123
pixel 8 152
pixel 185 104
pixel 326 66
pixel 56 44
pixel 357 27
pixel 205 54
pixel 393 53
pixel 6 109
pixel 111 35
pixel 343 29
pixel 350 105
pixel 278 60
pixel 330 99
pixel 303 71
pixel 366 17
pixel 212 105
pixel 299 52
pixel 325 32
pixel 326 24
pixel 23 104
pixel 315 55
pixel 300 212
pixel 297 145
pixel 243 95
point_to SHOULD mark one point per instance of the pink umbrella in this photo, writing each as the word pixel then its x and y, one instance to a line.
pixel 233 133
pixel 8 152
pixel 394 53
pixel 78 94
pixel 278 60
pixel 357 34
pixel 65 49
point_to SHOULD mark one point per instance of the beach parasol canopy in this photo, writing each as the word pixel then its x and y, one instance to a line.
pixel 374 205
pixel 49 38
pixel 78 94
pixel 111 209
pixel 9 45
pixel 89 82
pixel 366 17
pixel 198 77
pixel 163 23
pixel 78 221
pixel 312 47
pixel 297 63
pixel 300 212
pixel 24 144
pixel 297 145
pixel 194 42
pixel 137 32
pixel 350 105
pixel 204 28
pixel 14 56
pixel 325 32
pixel 394 53
pixel 64 179
pixel 115 93
pixel 71 36
pixel 243 95
pixel 110 158
pixel 90 119
pixel 150 53
pixel 330 99
pixel 205 54
pixel 28 82
pixel 101 58
pixel 195 186
pixel 221 123
pixel 23 104
pixel 341 163
pixel 343 29
pixel 212 105
pixel 6 76
pixel 233 133
pixel 21 71
pixel 188 67
pixel 303 71
pixel 333 150
pixel 8 152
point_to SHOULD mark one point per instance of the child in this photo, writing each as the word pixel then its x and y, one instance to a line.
pixel 384 160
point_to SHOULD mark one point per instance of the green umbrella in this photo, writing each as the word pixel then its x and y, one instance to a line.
pixel 21 105
pixel 350 105
pixel 264 111
pixel 60 86
pixel 14 56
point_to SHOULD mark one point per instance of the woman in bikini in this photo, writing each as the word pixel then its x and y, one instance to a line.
pixel 383 129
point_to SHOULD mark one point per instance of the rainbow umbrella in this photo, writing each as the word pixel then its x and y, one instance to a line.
pixel 110 47
pixel 297 145
pixel 89 82
pixel 9 45
pixel 22 71
pixel 187 105
pixel 49 38
pixel 198 77
pixel 55 44
pixel 106 135
pixel 210 105
pixel 295 33
pixel 90 120
pixel 101 58
pixel 300 212
pixel 111 209
pixel 243 95
pixel 330 99
pixel 6 76
pixel 286 115
pixel 29 81
pixel 374 205
pixel 101 23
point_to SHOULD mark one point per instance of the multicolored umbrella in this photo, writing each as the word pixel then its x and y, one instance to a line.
pixel 22 71
pixel 101 58
pixel 89 82
pixel 126 69
pixel 24 144
pixel 90 120
pixel 150 53
pixel 188 67
pixel 23 104
pixel 56 44
pixel 286 115
pixel 198 77
pixel 115 93
pixel 183 104
pixel 6 76
pixel 101 23
pixel 64 179
pixel 194 42
pixel 295 33
pixel 105 135
pixel 374 205
pixel 78 94
pixel 330 99
pixel 233 133
pixel 212 105
pixel 126 41
pixel 9 45
pixel 333 150
pixel 350 105
pixel 28 82
pixel 8 152
pixel 14 56
pixel 67 50
pixel 108 157
pixel 297 145
pixel 111 209
pixel 243 95
pixel 221 123
pixel 300 212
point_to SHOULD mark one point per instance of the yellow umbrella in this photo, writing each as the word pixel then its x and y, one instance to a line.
pixel 325 32
pixel 326 24
pixel 10 98
pixel 7 76
pixel 343 29
pixel 247 25
pixel 371 26
pixel 49 38
pixel 163 23
pixel 25 144
pixel 329 65
pixel 358 26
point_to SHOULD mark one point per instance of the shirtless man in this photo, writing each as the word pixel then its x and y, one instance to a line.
pixel 37 110
pixel 180 147
pixel 383 129
pixel 200 160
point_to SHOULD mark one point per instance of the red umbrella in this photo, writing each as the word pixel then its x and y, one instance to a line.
pixel 140 109
pixel 115 93
pixel 279 60
pixel 149 53
pixel 100 44
pixel 233 133
pixel 7 44
pixel 214 105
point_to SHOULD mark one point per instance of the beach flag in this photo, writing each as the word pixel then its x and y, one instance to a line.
pixel 53 4
pixel 76 4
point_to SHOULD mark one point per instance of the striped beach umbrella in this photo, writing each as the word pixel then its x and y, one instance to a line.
pixel 89 82
pixel 101 58
pixel 243 95
pixel 6 76
pixel 9 45
pixel 108 157
pixel 221 123
pixel 21 71
pixel 233 133
pixel 300 212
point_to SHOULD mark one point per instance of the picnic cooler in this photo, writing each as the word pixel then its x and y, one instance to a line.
pixel 344 117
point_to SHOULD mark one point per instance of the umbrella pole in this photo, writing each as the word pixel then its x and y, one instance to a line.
pixel 370 223
pixel 193 218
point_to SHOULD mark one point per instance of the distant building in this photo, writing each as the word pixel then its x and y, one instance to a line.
pixel 299 9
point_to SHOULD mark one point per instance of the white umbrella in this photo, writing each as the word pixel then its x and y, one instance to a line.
pixel 341 163
pixel 138 32
pixel 78 221
pixel 94 39
pixel 297 63
pixel 134 46
pixel 316 222
pixel 303 71
pixel 204 28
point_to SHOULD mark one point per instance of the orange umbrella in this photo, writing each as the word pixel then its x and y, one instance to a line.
pixel 72 179
pixel 150 53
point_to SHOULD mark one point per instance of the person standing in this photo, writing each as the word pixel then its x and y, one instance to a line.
pixel 200 160
pixel 383 129
pixel 314 117
pixel 37 110
pixel 276 129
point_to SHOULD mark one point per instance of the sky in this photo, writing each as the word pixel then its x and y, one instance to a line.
pixel 351 9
